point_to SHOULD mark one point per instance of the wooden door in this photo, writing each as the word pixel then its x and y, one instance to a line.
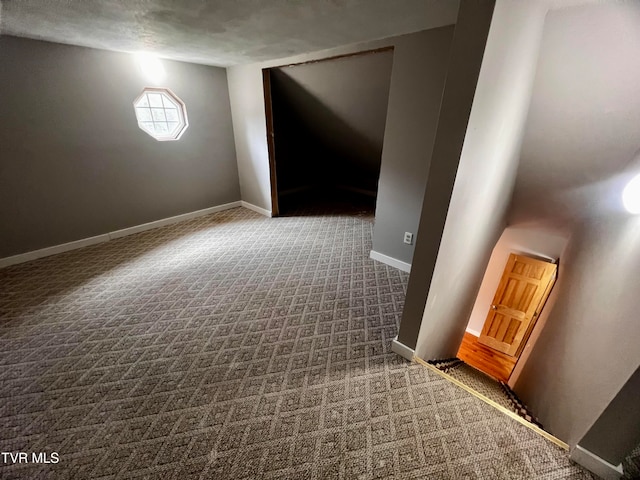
pixel 523 289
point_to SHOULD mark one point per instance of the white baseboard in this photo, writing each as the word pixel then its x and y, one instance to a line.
pixel 105 237
pixel 168 221
pixel 393 262
pixel 595 464
pixel 251 206
pixel 402 350
pixel 45 252
pixel 475 333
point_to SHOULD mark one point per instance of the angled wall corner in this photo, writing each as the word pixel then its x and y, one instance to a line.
pixel 417 79
pixel 402 350
pixel 417 82
pixel 465 208
pixel 470 36
pixel 588 349
pixel 75 165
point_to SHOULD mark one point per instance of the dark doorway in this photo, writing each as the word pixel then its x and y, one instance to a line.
pixel 325 124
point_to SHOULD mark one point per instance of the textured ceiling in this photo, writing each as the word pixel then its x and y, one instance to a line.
pixel 220 32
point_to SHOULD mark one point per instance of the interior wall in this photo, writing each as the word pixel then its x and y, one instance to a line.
pixel 442 290
pixel 580 146
pixel 420 64
pixel 329 121
pixel 417 79
pixel 610 437
pixel 526 241
pixel 589 346
pixel 585 107
pixel 73 162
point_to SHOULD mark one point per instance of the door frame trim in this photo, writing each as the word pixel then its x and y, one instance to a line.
pixel 268 110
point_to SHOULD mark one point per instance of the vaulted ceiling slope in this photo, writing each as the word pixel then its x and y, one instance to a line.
pixel 220 32
pixel 582 138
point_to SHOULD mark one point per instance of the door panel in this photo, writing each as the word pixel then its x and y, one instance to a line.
pixel 525 285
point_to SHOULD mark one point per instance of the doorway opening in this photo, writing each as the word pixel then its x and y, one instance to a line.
pixel 325 131
pixel 525 285
pixel 510 311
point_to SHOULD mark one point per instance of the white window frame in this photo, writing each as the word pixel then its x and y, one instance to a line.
pixel 183 121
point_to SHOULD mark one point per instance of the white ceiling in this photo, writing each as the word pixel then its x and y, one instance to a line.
pixel 220 32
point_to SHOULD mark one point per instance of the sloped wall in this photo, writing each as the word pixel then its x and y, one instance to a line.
pixel 580 146
pixel 329 119
pixel 417 79
pixel 588 348
pixel 441 293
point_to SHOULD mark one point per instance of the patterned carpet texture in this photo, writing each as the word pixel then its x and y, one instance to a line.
pixel 631 464
pixel 498 392
pixel 236 346
pixel 475 379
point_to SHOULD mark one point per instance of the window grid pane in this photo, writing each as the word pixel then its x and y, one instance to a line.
pixel 160 114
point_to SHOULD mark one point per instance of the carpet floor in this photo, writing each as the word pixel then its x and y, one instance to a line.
pixel 236 346
pixel 631 464
pixel 486 386
pixel 480 382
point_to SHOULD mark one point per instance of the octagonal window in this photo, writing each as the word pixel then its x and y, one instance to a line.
pixel 161 113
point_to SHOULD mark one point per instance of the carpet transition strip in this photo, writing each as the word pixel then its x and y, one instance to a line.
pixel 483 384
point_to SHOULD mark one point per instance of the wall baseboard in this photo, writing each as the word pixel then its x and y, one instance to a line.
pixel 168 221
pixel 595 464
pixel 54 250
pixel 402 350
pixel 393 262
pixel 105 237
pixel 260 210
pixel 475 333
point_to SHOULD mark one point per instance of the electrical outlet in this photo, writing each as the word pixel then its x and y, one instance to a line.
pixel 408 238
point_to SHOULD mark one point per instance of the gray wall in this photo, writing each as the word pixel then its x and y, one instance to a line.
pixel 582 128
pixel 451 267
pixel 73 162
pixel 483 185
pixel 417 79
pixel 588 348
pixel 329 121
pixel 580 146
pixel 576 109
pixel 610 438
